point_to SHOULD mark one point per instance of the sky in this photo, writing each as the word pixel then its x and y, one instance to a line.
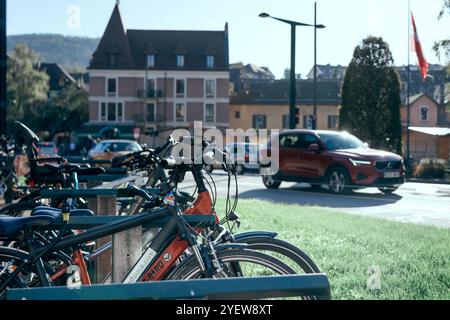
pixel 265 42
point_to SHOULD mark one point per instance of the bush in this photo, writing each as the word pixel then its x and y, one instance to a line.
pixel 431 169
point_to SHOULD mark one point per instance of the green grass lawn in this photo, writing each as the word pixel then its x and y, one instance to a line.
pixel 414 260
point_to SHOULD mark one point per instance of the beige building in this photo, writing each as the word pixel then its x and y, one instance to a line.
pixel 429 132
pixel 265 105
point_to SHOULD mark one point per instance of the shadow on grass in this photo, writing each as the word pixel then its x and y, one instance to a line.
pixel 320 197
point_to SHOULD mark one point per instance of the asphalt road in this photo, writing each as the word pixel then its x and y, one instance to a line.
pixel 412 203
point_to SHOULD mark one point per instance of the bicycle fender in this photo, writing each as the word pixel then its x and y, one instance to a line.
pixel 229 246
pixel 255 234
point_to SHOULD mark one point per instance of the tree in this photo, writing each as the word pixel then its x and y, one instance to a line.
pixel 371 96
pixel 66 112
pixel 287 75
pixel 443 46
pixel 26 85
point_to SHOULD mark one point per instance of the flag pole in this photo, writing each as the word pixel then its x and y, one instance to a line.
pixel 408 72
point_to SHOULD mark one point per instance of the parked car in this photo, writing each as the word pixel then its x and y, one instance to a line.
pixel 245 156
pixel 47 150
pixel 108 149
pixel 338 160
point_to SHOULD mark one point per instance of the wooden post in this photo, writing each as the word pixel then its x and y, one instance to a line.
pixel 127 249
pixel 105 206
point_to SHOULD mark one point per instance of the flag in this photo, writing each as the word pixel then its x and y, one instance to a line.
pixel 423 64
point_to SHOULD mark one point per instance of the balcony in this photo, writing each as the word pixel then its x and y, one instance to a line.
pixel 150 94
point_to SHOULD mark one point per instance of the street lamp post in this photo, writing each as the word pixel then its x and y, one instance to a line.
pixel 293 90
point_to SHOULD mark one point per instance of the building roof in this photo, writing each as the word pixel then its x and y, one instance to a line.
pixel 277 92
pixel 132 46
pixel 416 97
pixel 59 77
pixel 434 131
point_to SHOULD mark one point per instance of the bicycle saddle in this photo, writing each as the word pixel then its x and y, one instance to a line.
pixel 11 226
pixel 57 213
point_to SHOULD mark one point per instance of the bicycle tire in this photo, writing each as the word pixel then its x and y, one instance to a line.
pixel 189 268
pixel 7 254
pixel 283 248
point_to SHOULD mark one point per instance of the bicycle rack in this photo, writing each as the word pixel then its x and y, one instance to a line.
pixel 213 289
pixel 231 288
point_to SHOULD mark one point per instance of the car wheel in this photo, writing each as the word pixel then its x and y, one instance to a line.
pixel 239 169
pixel 270 182
pixel 338 181
pixel 388 190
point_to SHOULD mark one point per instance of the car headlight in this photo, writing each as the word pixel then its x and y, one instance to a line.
pixel 360 163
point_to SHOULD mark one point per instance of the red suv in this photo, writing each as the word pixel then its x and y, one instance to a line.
pixel 337 159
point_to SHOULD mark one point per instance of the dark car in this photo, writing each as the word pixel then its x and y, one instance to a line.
pixel 338 160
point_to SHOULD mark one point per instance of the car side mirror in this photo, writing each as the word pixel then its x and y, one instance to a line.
pixel 314 148
pixel 366 145
pixel 107 150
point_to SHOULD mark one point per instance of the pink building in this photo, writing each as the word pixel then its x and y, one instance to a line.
pixel 157 81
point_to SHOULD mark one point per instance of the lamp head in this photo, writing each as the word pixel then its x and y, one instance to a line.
pixel 320 26
pixel 264 15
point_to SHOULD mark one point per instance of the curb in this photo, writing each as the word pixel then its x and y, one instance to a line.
pixel 429 181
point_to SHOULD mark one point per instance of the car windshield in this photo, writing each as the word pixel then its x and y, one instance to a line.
pixel 341 141
pixel 119 146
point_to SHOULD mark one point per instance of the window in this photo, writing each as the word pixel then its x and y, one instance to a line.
pixel 180 61
pixel 119 112
pixel 180 88
pixel 151 112
pixel 308 122
pixel 112 60
pixel 111 112
pixel 332 122
pixel 103 112
pixel 151 88
pixel 112 87
pixel 210 61
pixel 306 140
pixel 424 113
pixel 237 114
pixel 151 59
pixel 289 141
pixel 259 121
pixel 210 88
pixel 180 112
pixel 210 112
pixel 286 121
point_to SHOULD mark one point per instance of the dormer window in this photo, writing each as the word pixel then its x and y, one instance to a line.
pixel 151 60
pixel 112 59
pixel 180 61
pixel 424 113
pixel 210 62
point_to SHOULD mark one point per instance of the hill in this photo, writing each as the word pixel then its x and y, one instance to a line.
pixel 71 52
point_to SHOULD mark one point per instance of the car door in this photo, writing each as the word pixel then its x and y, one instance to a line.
pixel 308 162
pixel 288 154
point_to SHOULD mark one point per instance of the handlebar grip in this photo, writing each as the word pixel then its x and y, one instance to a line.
pixel 208 157
pixel 168 163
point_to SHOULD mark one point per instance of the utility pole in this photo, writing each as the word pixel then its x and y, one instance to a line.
pixel 3 65
pixel 315 67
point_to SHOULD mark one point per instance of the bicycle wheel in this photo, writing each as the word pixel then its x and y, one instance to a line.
pixel 234 263
pixel 284 251
pixel 9 260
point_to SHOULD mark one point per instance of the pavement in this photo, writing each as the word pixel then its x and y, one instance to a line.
pixel 417 203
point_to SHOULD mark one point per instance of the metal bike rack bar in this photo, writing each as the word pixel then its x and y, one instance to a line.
pixel 84 223
pixel 107 177
pixel 213 289
pixel 83 193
